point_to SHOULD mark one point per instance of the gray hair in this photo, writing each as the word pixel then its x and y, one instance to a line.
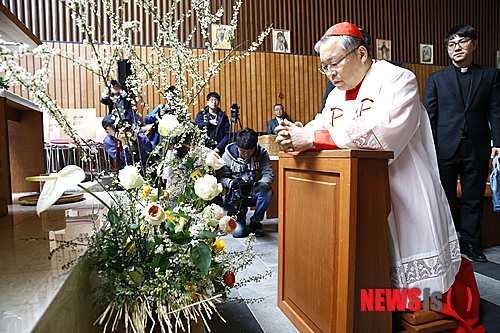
pixel 348 43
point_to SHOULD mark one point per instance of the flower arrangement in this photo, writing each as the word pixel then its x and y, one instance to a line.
pixel 159 253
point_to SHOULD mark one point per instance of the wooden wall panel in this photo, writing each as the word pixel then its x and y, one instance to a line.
pixel 407 23
pixel 255 83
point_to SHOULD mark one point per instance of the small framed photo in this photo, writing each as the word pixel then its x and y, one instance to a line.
pixel 498 59
pixel 220 36
pixel 281 41
pixel 384 49
pixel 426 53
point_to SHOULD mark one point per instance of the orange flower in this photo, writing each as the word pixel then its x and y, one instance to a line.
pixel 227 224
pixel 229 279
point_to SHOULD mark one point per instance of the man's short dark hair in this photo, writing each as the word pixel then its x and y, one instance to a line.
pixel 246 139
pixel 462 30
pixel 275 105
pixel 213 94
pixel 114 83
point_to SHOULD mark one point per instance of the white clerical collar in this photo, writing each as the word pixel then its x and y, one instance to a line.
pixel 464 69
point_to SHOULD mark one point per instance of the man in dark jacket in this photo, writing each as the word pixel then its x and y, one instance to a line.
pixel 216 122
pixel 463 102
pixel 248 176
pixel 279 113
pixel 118 103
pixel 116 144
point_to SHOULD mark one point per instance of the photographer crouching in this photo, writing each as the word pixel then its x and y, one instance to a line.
pixel 248 176
pixel 116 143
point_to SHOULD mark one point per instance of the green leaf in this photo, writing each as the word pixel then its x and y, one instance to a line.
pixel 220 267
pixel 150 245
pixel 181 237
pixel 137 275
pixel 134 226
pixel 205 234
pixel 181 199
pixel 201 256
pixel 156 261
pixel 113 217
pixel 169 226
pixel 190 163
pixel 189 192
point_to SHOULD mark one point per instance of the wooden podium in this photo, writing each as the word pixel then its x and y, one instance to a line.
pixel 333 208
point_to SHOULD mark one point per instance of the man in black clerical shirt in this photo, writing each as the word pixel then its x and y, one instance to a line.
pixel 463 102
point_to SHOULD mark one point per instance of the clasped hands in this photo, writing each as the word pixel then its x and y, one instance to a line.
pixel 122 136
pixel 294 136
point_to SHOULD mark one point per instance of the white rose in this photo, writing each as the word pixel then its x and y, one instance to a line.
pixel 213 213
pixel 168 126
pixel 214 160
pixel 130 178
pixel 154 214
pixel 227 224
pixel 206 187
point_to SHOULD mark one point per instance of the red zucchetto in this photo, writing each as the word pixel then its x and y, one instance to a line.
pixel 344 29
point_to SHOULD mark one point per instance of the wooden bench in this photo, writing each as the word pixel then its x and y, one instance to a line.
pixel 423 322
pixel 490 222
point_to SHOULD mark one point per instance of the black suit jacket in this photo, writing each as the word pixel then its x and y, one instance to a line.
pixel 271 125
pixel 446 109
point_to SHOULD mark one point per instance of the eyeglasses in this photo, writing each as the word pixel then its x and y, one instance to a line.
pixel 334 65
pixel 213 100
pixel 463 42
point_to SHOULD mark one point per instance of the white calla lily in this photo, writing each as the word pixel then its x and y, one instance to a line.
pixel 56 184
pixel 214 160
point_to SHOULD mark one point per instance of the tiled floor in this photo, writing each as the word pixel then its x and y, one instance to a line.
pixel 266 313
pixel 271 320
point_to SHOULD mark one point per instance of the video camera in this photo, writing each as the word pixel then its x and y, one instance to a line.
pixel 235 111
pixel 241 192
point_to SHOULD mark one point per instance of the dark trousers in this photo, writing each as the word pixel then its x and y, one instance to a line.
pixel 473 173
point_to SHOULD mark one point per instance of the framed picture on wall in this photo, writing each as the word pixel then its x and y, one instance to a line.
pixel 426 53
pixel 384 49
pixel 281 41
pixel 498 59
pixel 220 36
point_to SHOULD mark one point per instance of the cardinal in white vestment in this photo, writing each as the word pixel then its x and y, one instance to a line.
pixel 376 105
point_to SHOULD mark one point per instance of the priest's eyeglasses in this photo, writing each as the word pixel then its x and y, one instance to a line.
pixel 463 42
pixel 334 65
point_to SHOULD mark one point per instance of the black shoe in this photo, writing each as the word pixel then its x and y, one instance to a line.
pixel 256 228
pixel 472 251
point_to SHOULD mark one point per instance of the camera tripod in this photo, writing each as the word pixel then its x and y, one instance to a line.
pixel 235 121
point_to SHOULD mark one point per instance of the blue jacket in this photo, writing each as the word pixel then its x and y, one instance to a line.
pixel 111 145
pixel 125 108
pixel 154 136
pixel 222 130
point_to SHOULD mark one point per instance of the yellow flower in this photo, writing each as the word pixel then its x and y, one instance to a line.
pixel 182 221
pixel 132 247
pixel 219 246
pixel 145 191
pixel 170 218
